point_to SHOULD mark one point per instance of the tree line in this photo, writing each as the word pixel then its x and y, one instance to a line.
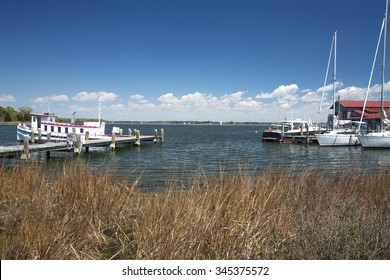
pixel 9 114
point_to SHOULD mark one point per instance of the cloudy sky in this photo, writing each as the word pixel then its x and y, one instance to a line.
pixel 230 60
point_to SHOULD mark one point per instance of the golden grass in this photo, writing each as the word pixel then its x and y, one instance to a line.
pixel 71 213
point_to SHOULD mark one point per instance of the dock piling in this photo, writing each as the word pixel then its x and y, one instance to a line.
pixel 155 136
pixel 113 138
pixel 79 145
pixel 307 134
pixel 162 135
pixel 137 138
pixel 26 151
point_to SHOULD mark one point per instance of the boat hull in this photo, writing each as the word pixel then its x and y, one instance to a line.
pixel 378 140
pixel 22 131
pixel 331 140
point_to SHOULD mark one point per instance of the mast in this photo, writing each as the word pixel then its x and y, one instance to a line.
pixel 100 108
pixel 325 81
pixel 334 77
pixel 383 68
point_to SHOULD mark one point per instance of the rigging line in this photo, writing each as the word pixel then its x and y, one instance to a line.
pixel 326 78
pixel 372 71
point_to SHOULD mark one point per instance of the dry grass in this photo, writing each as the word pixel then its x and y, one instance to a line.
pixel 281 214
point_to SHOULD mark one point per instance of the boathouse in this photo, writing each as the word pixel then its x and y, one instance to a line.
pixel 352 110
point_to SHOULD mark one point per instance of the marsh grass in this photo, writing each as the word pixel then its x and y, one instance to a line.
pixel 276 214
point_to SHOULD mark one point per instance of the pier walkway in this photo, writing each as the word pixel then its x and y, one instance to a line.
pixel 77 146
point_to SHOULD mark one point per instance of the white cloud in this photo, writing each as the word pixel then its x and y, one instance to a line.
pixel 311 96
pixel 52 98
pixel 117 107
pixel 137 97
pixel 202 106
pixel 138 102
pixel 330 87
pixel 100 96
pixel 7 98
pixel 279 92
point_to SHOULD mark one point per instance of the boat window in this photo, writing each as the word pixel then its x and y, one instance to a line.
pixel 45 128
pixel 81 130
pixel 66 130
pixel 59 129
pixel 52 129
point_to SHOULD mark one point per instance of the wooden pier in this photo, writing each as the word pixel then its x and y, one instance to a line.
pixel 77 146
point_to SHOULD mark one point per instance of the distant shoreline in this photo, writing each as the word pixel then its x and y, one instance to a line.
pixel 9 123
pixel 166 122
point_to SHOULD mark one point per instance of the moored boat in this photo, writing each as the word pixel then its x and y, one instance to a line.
pixel 277 132
pixel 379 139
pixel 346 134
pixel 44 126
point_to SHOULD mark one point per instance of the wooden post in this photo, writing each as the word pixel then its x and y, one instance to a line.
pixel 282 133
pixel 162 135
pixel 130 132
pixel 26 150
pixel 87 136
pixel 32 136
pixel 48 137
pixel 79 145
pixel 121 132
pixel 307 134
pixel 155 136
pixel 39 135
pixel 113 138
pixel 138 138
pixel 47 155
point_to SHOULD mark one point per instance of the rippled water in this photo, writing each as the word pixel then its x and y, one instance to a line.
pixel 212 147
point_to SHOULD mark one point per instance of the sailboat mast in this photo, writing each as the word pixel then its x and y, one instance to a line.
pixel 383 68
pixel 334 77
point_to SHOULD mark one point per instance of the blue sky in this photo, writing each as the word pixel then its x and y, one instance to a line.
pixel 230 60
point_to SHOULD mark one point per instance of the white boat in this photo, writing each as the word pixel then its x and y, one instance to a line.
pixel 343 132
pixel 286 129
pixel 44 126
pixel 346 134
pixel 379 139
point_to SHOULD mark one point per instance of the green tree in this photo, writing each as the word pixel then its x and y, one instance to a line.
pixel 2 114
pixel 24 114
pixel 10 115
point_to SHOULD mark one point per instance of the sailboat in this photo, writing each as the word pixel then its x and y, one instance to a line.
pixel 343 132
pixel 379 139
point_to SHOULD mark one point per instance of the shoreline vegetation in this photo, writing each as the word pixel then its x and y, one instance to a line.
pixel 80 120
pixel 10 116
pixel 71 213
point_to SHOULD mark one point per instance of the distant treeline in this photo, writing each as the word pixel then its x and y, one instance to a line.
pixel 9 114
pixel 189 122
pixel 23 114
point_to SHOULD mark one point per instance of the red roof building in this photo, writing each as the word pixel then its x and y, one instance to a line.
pixel 352 110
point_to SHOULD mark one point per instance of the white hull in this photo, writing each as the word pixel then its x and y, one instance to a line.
pixel 286 129
pixel 375 140
pixel 55 137
pixel 330 140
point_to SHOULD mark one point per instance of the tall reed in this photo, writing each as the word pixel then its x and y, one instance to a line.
pixel 72 213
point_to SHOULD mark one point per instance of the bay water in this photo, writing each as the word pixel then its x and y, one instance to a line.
pixel 209 148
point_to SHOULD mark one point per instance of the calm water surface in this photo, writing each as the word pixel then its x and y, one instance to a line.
pixel 187 148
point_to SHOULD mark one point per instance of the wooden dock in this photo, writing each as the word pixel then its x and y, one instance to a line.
pixel 77 146
pixel 300 139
